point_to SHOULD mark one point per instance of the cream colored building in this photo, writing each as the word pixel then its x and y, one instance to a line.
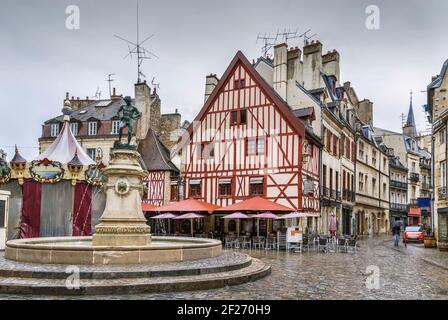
pixel 372 187
pixel 437 108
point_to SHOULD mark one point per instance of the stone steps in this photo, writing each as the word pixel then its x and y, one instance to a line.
pixel 255 270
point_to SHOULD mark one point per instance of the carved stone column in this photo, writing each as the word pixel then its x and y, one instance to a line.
pixel 123 222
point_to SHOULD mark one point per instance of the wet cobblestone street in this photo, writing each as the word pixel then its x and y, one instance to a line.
pixel 405 273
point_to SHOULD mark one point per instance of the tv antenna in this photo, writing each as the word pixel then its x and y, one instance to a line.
pixel 306 37
pixel 137 48
pixel 156 85
pixel 403 119
pixel 98 93
pixel 109 79
pixel 286 35
pixel 268 43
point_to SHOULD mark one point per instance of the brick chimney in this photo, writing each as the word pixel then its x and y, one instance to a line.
pixel 211 81
pixel 280 69
pixel 78 103
pixel 365 111
pixel 312 65
pixel 115 96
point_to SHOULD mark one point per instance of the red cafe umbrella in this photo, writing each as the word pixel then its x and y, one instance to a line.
pixel 237 216
pixel 191 216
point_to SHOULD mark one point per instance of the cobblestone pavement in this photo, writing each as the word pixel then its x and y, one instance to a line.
pixel 403 275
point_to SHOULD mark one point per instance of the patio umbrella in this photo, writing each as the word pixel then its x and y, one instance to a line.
pixel 264 215
pixel 237 216
pixel 191 216
pixel 147 206
pixel 167 215
pixel 332 227
pixel 295 214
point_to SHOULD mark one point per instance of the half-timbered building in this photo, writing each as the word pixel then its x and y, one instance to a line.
pixel 246 141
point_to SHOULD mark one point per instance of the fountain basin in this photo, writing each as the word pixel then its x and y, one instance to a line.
pixel 80 251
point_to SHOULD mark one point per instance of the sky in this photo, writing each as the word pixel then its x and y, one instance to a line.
pixel 41 59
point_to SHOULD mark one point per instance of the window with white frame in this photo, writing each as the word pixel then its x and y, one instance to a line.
pixel 115 127
pixel 74 128
pixel 54 129
pixel 93 128
pixel 91 152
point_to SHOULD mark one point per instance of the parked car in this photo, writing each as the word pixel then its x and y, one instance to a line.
pixel 413 234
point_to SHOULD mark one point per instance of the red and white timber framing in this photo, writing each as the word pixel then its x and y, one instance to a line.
pixel 268 118
pixel 155 182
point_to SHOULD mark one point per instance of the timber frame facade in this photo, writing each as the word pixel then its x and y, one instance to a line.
pixel 247 142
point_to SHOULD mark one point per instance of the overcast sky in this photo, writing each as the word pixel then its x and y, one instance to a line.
pixel 40 59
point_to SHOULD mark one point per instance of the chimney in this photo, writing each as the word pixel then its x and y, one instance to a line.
pixel 280 69
pixel 294 66
pixel 114 95
pixel 330 64
pixel 365 111
pixel 211 81
pixel 150 110
pixel 312 65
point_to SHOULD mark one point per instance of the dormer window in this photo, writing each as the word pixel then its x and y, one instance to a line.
pixel 74 128
pixel 54 129
pixel 93 128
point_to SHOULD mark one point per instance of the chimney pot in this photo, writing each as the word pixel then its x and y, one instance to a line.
pixel 77 98
pixel 176 111
pixel 73 97
pixel 113 92
pixel 66 95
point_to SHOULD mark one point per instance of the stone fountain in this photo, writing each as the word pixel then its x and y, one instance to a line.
pixel 123 238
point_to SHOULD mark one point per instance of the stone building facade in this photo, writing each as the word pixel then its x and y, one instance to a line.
pixel 437 109
pixel 372 187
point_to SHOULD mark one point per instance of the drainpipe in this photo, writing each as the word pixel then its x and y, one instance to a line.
pixel 432 191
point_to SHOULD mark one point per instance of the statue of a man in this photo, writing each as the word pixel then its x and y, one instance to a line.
pixel 129 114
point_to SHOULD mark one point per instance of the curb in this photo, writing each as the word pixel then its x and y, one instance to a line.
pixel 421 258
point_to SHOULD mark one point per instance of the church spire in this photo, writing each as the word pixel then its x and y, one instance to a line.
pixel 410 129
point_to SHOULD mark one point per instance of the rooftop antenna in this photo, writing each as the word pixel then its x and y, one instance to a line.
pixel 156 85
pixel 306 37
pixel 286 35
pixel 109 79
pixel 98 93
pixel 403 119
pixel 268 43
pixel 137 48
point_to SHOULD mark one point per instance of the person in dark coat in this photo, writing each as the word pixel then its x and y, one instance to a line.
pixel 396 234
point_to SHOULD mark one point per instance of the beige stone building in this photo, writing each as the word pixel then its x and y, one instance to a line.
pixel 372 187
pixel 437 108
pixel 406 147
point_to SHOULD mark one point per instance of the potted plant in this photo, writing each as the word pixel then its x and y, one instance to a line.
pixel 430 241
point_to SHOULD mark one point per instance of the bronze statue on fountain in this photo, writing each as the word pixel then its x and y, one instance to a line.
pixel 129 114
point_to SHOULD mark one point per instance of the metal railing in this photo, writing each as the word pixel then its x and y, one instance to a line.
pixel 398 206
pixel 348 195
pixel 398 184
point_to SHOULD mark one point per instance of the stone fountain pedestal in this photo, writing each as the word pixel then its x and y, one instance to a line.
pixel 123 222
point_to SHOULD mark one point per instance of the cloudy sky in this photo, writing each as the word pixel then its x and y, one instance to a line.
pixel 40 59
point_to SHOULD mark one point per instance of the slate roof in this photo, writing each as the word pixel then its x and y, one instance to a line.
pixel 438 80
pixel 155 156
pixel 99 110
pixel 303 112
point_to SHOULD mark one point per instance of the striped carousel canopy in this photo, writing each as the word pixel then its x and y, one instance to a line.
pixel 65 147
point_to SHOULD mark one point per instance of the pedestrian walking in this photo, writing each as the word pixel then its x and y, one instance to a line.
pixel 396 234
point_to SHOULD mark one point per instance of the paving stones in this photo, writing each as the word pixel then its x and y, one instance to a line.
pixel 403 275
